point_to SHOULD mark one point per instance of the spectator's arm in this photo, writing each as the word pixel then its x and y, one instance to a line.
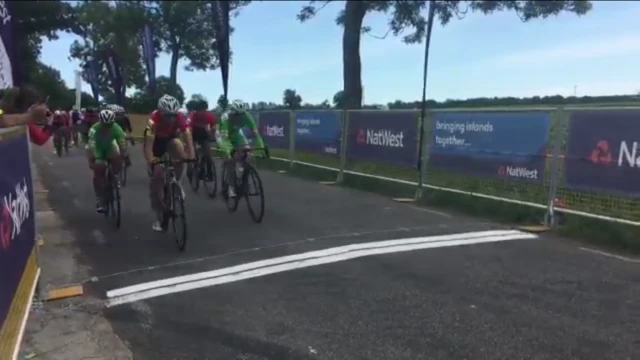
pixel 9 120
pixel 37 135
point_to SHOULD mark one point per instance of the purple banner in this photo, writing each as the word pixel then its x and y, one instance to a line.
pixel 603 151
pixel 115 75
pixel 383 136
pixel 318 131
pixel 17 225
pixel 149 56
pixel 220 12
pixel 9 74
pixel 274 128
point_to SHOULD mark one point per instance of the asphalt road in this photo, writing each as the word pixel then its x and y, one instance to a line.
pixel 540 298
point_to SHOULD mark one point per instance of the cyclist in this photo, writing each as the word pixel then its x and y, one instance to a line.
pixel 89 118
pixel 106 143
pixel 202 123
pixel 60 127
pixel 76 121
pixel 162 135
pixel 229 134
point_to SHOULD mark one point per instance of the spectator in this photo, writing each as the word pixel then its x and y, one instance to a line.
pixel 23 106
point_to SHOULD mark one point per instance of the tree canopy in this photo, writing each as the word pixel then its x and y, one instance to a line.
pixel 407 16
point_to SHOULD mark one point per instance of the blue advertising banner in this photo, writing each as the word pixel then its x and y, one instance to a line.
pixel 8 63
pixel 318 131
pixel 509 145
pixel 114 69
pixel 274 128
pixel 383 136
pixel 17 225
pixel 603 151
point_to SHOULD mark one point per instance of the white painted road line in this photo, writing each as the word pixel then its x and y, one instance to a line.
pixel 299 261
pixel 614 256
pixel 303 256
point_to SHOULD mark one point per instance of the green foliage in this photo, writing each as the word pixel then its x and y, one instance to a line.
pixel 339 100
pixel 103 25
pixel 406 16
pixel 291 99
pixel 197 102
pixel 144 102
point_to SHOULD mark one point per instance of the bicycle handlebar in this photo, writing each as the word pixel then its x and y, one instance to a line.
pixel 248 150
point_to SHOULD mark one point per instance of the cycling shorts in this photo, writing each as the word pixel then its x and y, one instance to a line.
pixel 102 153
pixel 161 145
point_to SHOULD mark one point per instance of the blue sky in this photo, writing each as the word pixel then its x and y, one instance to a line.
pixel 478 56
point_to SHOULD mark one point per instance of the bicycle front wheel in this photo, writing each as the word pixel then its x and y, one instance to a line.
pixel 178 217
pixel 253 193
pixel 115 204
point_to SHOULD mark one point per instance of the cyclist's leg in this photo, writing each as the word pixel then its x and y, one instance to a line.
pixel 160 146
pixel 113 155
pixel 177 152
pixel 97 157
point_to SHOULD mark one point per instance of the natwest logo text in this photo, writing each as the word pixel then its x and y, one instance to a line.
pixel 14 210
pixel 381 137
pixel 274 130
pixel 518 172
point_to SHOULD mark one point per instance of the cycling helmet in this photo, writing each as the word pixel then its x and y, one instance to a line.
pixel 183 112
pixel 168 104
pixel 107 117
pixel 238 106
pixel 57 113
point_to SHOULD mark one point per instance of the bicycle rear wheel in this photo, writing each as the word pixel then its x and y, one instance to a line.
pixel 178 217
pixel 123 175
pixel 209 176
pixel 193 174
pixel 252 189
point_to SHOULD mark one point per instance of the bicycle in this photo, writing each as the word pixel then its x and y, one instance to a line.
pixel 60 139
pixel 230 177
pixel 204 169
pixel 111 197
pixel 127 164
pixel 173 202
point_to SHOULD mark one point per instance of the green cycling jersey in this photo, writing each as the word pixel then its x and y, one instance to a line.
pixel 102 139
pixel 230 131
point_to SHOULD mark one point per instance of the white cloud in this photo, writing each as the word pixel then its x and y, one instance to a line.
pixel 595 48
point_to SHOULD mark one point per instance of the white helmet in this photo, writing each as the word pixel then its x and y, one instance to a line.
pixel 56 113
pixel 107 116
pixel 168 104
pixel 238 106
pixel 183 112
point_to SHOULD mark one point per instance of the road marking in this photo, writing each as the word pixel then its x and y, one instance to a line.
pixel 313 258
pixel 623 258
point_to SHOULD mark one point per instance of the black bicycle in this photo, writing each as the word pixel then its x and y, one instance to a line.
pixel 246 182
pixel 126 165
pixel 111 199
pixel 204 170
pixel 60 140
pixel 173 209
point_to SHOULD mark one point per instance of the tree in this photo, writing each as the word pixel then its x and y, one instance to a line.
pixel 291 99
pixel 105 25
pixel 222 102
pixel 407 15
pixel 197 102
pixel 339 100
pixel 33 21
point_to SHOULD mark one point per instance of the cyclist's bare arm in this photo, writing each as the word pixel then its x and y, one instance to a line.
pixel 188 140
pixel 149 136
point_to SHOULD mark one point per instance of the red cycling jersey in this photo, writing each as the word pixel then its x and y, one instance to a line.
pixel 159 127
pixel 200 119
pixel 60 120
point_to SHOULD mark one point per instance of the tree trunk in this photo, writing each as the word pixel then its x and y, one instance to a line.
pixel 175 58
pixel 354 13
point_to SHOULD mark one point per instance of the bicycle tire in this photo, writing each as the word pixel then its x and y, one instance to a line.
pixel 178 212
pixel 208 169
pixel 123 175
pixel 193 173
pixel 232 203
pixel 115 203
pixel 250 171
